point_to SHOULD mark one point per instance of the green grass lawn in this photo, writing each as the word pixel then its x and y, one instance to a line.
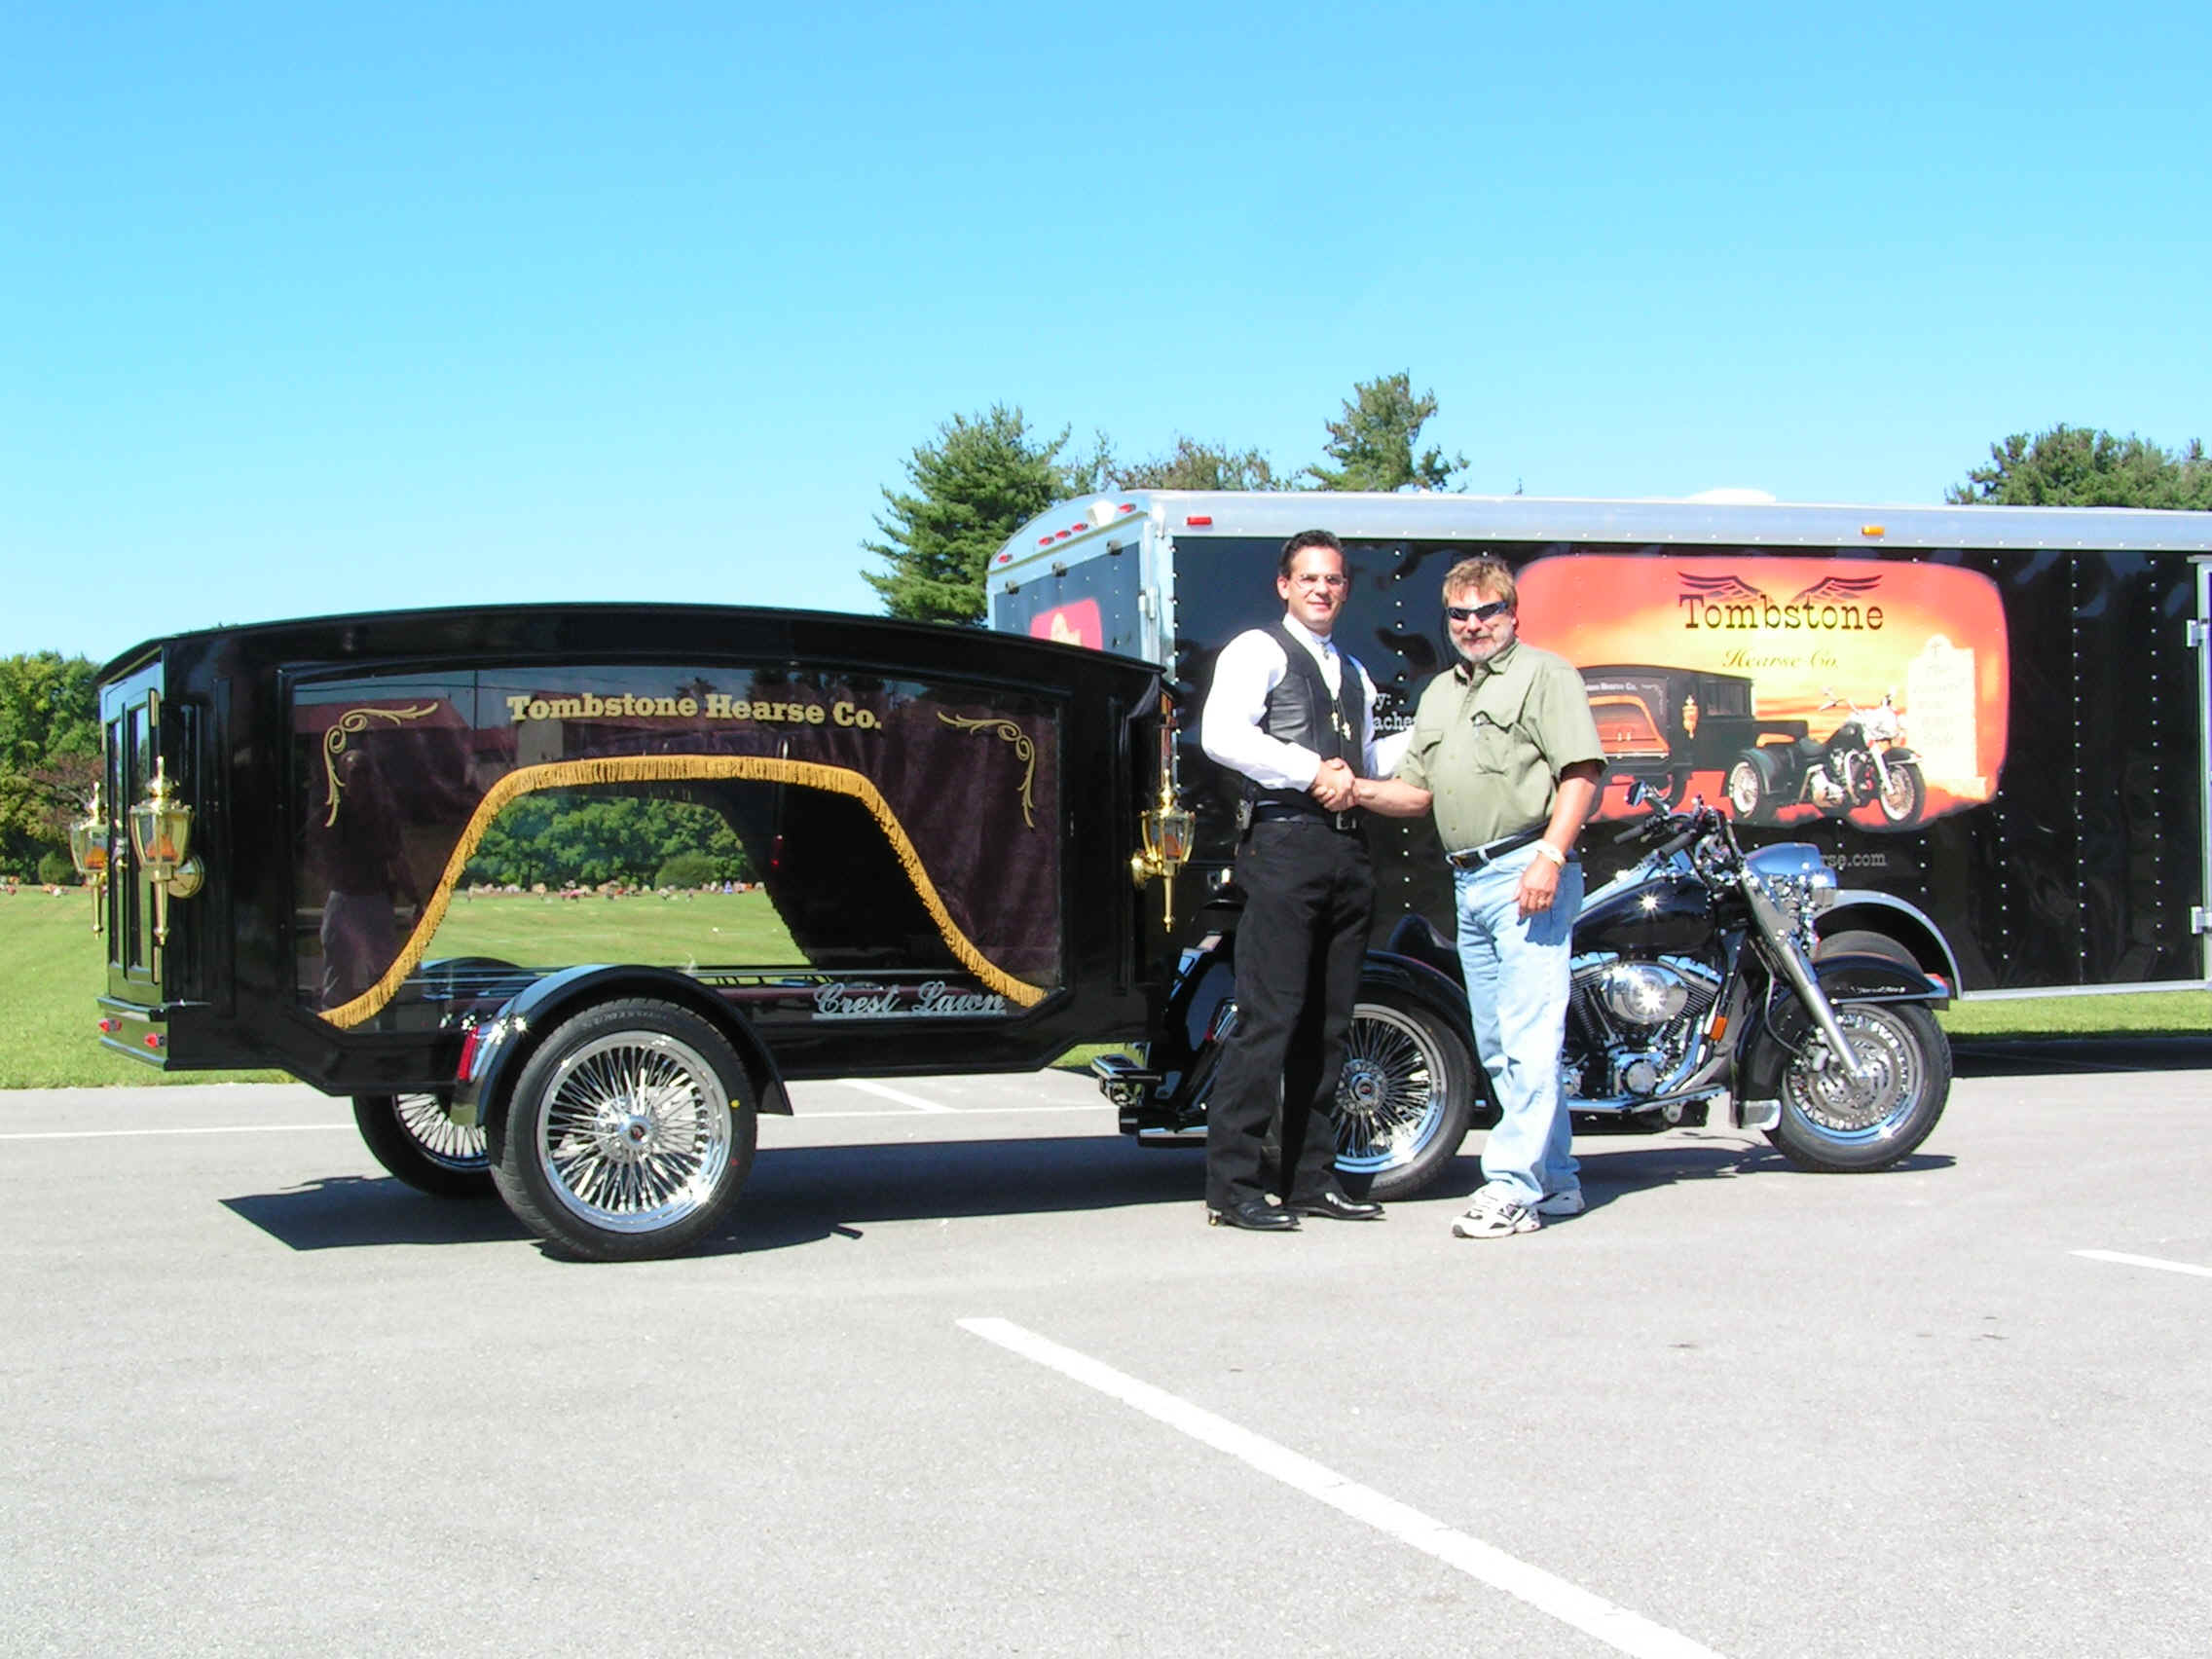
pixel 696 930
pixel 50 970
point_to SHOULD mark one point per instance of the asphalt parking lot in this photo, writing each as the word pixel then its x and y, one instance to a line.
pixel 968 1374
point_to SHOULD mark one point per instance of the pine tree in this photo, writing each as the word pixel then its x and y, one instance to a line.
pixel 1372 445
pixel 974 484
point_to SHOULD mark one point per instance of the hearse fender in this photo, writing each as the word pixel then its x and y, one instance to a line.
pixel 1419 979
pixel 511 1036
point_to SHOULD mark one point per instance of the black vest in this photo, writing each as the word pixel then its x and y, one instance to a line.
pixel 1300 711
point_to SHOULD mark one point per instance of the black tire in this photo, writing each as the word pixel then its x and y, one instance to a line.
pixel 629 1132
pixel 1831 1126
pixel 1751 786
pixel 1406 1096
pixel 1864 941
pixel 411 1137
pixel 1904 803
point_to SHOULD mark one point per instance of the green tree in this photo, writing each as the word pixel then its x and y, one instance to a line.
pixel 2074 466
pixel 49 714
pixel 977 482
pixel 1374 445
pixel 577 837
pixel 1189 465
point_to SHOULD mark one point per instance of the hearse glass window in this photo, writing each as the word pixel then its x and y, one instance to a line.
pixel 815 845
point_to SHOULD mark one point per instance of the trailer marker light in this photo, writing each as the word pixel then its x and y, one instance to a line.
pixel 1126 507
pixel 155 1040
pixel 1874 529
pixel 1003 558
pixel 1044 541
pixel 110 1027
pixel 1199 519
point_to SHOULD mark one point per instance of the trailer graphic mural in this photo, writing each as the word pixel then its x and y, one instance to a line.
pixel 1788 688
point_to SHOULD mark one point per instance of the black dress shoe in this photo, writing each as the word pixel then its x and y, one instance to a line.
pixel 1336 1206
pixel 1255 1213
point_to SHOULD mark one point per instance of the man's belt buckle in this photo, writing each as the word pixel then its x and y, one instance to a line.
pixel 1346 820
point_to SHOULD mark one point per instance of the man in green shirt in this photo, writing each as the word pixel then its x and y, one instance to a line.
pixel 1504 751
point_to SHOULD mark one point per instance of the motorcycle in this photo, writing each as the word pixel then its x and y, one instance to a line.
pixel 1701 982
pixel 1863 760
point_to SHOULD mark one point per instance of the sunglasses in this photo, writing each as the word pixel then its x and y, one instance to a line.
pixel 1477 613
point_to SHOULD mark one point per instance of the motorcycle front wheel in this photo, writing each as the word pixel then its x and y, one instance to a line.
pixel 1837 1126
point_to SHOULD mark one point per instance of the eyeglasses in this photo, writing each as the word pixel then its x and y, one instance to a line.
pixel 1477 613
pixel 1307 579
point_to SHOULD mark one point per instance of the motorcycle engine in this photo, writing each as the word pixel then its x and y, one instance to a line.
pixel 1633 1021
pixel 1823 786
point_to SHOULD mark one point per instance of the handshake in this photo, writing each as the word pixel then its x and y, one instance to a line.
pixel 1334 787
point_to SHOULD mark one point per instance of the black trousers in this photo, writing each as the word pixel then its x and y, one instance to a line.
pixel 1309 896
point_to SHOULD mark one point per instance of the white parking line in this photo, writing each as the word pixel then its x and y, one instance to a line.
pixel 1616 1627
pixel 2127 1261
pixel 213 1130
pixel 806 1117
pixel 883 1091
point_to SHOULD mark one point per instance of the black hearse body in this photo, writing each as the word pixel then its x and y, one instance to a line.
pixel 943 820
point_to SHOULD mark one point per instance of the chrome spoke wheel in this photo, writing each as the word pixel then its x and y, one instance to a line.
pixel 636 1132
pixel 1391 1099
pixel 440 1139
pixel 1853 1112
pixel 1745 795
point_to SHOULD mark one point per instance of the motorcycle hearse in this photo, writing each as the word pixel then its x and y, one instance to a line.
pixel 296 842
pixel 300 821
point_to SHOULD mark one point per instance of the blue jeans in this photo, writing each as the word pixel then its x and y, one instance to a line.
pixel 1517 973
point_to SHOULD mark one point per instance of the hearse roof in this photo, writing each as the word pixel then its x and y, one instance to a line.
pixel 631 631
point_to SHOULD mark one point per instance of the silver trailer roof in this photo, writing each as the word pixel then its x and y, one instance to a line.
pixel 1092 521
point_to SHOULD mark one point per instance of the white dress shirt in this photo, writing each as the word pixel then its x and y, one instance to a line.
pixel 1249 667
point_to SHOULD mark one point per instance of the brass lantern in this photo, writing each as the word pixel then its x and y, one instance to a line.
pixel 1168 828
pixel 160 838
pixel 87 851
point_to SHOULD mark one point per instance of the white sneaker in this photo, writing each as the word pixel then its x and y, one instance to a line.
pixel 1568 1201
pixel 1495 1215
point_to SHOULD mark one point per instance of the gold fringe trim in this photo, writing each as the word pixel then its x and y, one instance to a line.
pixel 676 768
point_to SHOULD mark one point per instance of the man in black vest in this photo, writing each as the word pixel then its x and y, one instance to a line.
pixel 1296 718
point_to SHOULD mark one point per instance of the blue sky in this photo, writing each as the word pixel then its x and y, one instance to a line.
pixel 322 308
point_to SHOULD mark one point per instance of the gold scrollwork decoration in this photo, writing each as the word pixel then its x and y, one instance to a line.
pixel 350 723
pixel 1024 751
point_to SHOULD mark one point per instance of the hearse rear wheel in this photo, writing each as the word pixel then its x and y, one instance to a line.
pixel 413 1138
pixel 1406 1095
pixel 629 1132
